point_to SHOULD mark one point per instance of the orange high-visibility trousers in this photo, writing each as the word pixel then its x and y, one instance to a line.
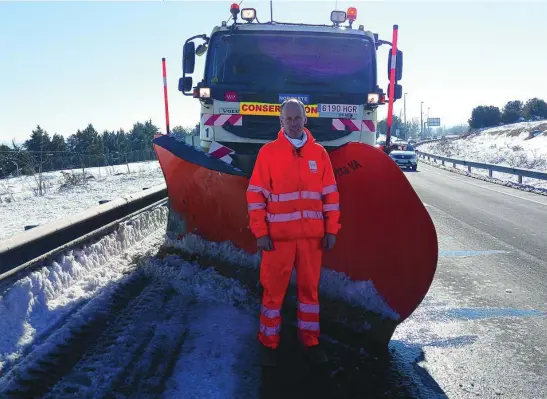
pixel 275 275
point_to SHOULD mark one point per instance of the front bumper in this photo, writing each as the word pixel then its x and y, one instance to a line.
pixel 405 162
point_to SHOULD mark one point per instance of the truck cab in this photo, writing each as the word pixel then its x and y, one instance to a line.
pixel 251 68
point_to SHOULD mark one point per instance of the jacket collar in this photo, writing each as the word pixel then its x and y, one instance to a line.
pixel 281 137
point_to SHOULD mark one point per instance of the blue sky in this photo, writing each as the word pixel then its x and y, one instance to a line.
pixel 66 64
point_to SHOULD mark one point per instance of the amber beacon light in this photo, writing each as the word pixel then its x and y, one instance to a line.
pixel 351 15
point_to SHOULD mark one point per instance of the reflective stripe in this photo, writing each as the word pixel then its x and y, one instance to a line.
pixel 312 214
pixel 283 217
pixel 308 325
pixel 270 313
pixel 331 207
pixel 258 189
pixel 269 331
pixel 256 205
pixel 287 217
pixel 295 195
pixel 308 308
pixel 284 197
pixel 330 189
pixel 311 195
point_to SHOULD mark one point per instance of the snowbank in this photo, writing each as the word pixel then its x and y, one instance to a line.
pixel 31 308
pixel 520 145
pixel 383 137
pixel 19 206
pixel 334 284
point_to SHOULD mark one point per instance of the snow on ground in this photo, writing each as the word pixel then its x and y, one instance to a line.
pixel 226 337
pixel 214 317
pixel 334 284
pixel 19 206
pixel 383 137
pixel 219 354
pixel 32 308
pixel 520 145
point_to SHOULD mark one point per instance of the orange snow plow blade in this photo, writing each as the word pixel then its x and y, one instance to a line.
pixel 387 235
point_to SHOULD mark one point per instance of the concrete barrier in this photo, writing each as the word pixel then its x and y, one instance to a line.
pixel 23 248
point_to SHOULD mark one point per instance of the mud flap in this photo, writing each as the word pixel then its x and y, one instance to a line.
pixel 387 235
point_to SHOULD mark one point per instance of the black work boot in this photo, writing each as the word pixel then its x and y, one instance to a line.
pixel 268 356
pixel 316 354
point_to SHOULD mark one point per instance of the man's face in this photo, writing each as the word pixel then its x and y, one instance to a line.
pixel 293 119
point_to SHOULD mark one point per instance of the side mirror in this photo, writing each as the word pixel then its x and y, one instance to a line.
pixel 185 84
pixel 398 93
pixel 189 57
pixel 201 49
pixel 398 65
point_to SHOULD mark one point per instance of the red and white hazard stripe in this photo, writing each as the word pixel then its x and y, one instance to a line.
pixel 221 152
pixel 354 125
pixel 368 126
pixel 219 120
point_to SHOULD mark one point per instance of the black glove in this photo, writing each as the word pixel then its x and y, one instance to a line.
pixel 328 241
pixel 265 243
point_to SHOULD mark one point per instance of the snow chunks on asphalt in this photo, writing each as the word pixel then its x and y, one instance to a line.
pixel 334 284
pixel 34 306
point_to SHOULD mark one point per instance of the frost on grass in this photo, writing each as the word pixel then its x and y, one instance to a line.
pixel 69 192
pixel 33 306
pixel 333 284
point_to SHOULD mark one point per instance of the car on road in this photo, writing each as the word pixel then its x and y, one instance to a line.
pixel 404 155
pixel 381 144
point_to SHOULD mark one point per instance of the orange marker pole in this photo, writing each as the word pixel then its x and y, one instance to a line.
pixel 392 85
pixel 165 97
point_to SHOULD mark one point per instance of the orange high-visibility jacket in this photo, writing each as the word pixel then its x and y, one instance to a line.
pixel 292 192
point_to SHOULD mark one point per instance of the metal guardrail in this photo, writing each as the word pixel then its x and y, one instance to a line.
pixel 25 249
pixel 534 174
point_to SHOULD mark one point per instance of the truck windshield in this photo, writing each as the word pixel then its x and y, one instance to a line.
pixel 296 61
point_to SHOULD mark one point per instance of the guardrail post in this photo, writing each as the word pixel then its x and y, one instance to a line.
pixel 519 172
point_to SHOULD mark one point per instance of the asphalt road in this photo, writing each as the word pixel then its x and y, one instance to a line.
pixel 482 329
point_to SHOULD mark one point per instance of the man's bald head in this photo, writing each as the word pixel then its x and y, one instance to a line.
pixel 293 102
pixel 293 117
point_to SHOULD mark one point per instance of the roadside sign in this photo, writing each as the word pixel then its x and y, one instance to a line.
pixel 434 122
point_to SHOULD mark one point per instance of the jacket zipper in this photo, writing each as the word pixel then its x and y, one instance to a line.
pixel 298 156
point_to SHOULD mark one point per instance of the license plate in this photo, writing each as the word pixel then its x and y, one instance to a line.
pixel 328 109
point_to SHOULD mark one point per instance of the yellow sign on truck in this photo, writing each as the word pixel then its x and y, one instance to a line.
pixel 266 109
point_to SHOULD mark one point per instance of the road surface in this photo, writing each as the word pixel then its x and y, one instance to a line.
pixel 175 329
pixel 481 329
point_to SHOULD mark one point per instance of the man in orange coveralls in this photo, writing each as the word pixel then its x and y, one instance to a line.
pixel 293 205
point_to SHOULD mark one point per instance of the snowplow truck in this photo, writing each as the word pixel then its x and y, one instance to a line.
pixel 386 252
